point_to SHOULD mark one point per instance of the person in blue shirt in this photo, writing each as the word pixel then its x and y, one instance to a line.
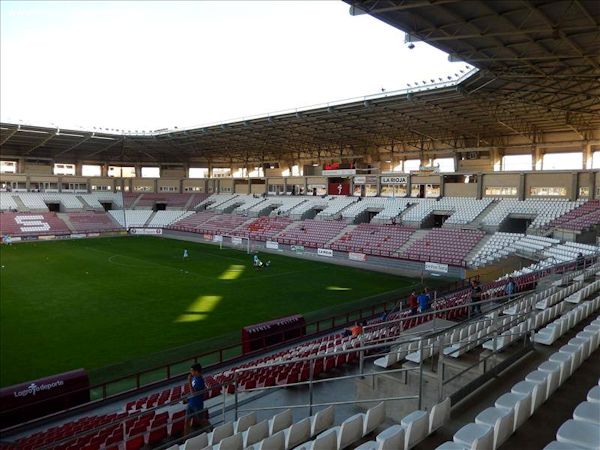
pixel 195 403
pixel 423 300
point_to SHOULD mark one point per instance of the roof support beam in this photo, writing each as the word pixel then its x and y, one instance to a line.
pixel 41 143
pixel 10 135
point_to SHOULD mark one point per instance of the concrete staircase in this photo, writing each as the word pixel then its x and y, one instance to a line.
pixel 149 218
pixel 348 229
pixel 20 205
pixel 65 218
pixel 135 202
pixel 418 234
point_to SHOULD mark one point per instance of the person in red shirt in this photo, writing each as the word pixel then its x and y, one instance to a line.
pixel 413 304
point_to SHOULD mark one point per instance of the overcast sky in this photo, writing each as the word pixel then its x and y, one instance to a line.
pixel 144 66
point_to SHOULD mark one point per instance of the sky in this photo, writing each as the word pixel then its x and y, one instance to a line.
pixel 153 65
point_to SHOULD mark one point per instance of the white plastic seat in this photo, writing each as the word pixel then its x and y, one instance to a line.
pixel 594 395
pixel 587 412
pixel 220 432
pixel 244 422
pixel 521 404
pixel 322 420
pixel 280 421
pixel 234 442
pixel 566 362
pixel 256 433
pixel 373 418
pixel 439 414
pixel 555 445
pixel 543 379
pixel 585 344
pixel 451 445
pixel 391 438
pixel 416 427
pixel 501 420
pixel 386 361
pixel 349 432
pixel 532 389
pixel 583 434
pixel 297 433
pixel 196 442
pixel 554 371
pixel 576 353
pixel 273 442
pixel 475 436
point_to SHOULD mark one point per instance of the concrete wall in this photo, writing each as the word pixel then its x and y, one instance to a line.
pixel 460 189
pixel 563 179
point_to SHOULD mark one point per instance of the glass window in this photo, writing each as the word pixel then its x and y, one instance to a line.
pixel 257 172
pixel 221 172
pixel 370 190
pixel 584 191
pixel 198 172
pixel 411 164
pixel 193 189
pixel 100 188
pixel 432 190
pixel 91 170
pixel 64 169
pixel 500 191
pixel 596 160
pixel 8 167
pixel 516 162
pixel 121 172
pixel 562 161
pixel 142 189
pixel 446 164
pixel 150 172
pixel 548 191
pixel 167 189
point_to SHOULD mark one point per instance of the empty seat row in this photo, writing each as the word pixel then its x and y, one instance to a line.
pixel 549 334
pixel 494 425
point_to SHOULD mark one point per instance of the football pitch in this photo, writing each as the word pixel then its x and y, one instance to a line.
pixel 112 303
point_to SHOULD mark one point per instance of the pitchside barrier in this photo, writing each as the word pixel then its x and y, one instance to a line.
pixel 33 399
pixel 273 332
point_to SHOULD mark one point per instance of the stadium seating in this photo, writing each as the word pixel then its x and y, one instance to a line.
pixel 310 233
pixel 164 218
pixel 221 224
pixel 263 228
pixel 461 210
pixel 387 208
pixel 171 200
pixel 381 240
pixel 579 218
pixel 7 202
pixel 541 211
pixel 193 221
pixel 92 222
pixel 23 224
pixel 447 246
pixel 128 218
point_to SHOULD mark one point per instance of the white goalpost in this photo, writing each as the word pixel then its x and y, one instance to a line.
pixel 241 242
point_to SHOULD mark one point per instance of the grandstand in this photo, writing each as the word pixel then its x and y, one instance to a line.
pixel 522 373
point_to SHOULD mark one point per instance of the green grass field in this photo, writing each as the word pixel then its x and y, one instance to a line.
pixel 118 301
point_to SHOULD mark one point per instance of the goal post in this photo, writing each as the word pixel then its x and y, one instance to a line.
pixel 241 242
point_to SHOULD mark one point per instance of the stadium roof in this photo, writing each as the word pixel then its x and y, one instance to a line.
pixel 539 73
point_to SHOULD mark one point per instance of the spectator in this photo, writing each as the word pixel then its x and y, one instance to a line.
pixel 195 412
pixel 475 297
pixel 413 304
pixel 510 288
pixel 580 261
pixel 384 315
pixel 423 300
pixel 356 330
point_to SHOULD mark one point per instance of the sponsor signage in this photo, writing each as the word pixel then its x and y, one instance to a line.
pixel 338 189
pixel 338 172
pixel 217 238
pixel 436 267
pixel 272 245
pixel 394 180
pixel 357 256
pixel 325 252
pixel 146 231
pixel 44 396
pixel 15 239
pixel 236 240
pixel 297 248
pixel 48 237
pixel 93 235
pixel 29 238
pixel 78 235
pixel 360 180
